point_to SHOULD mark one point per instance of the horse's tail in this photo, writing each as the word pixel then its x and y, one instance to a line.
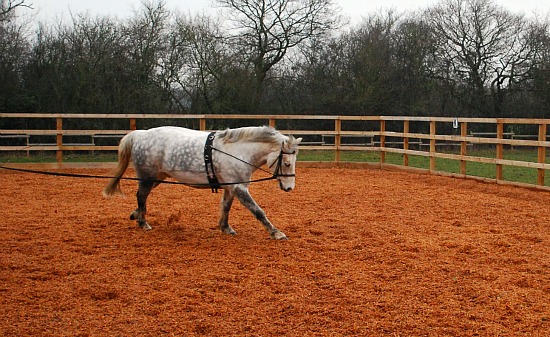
pixel 124 155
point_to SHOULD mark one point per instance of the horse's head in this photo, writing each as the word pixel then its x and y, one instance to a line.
pixel 282 163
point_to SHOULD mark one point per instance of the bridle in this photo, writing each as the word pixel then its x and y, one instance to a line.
pixel 278 172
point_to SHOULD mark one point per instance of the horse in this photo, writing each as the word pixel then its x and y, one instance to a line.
pixel 221 159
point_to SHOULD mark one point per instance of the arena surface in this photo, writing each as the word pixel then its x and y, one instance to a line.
pixel 371 253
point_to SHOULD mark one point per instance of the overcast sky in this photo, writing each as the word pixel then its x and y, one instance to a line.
pixel 354 9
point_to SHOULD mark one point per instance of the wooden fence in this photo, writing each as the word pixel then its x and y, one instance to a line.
pixel 429 137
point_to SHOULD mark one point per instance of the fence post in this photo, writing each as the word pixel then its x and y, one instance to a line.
pixel 500 148
pixel 59 141
pixel 133 125
pixel 406 142
pixel 432 145
pixel 463 146
pixel 337 138
pixel 541 154
pixel 382 141
pixel 272 122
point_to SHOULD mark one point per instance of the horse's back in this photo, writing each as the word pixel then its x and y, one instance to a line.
pixel 168 135
pixel 169 148
pixel 169 131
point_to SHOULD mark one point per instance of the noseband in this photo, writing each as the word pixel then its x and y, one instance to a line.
pixel 278 172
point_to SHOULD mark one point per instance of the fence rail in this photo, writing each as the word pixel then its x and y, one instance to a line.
pixel 407 136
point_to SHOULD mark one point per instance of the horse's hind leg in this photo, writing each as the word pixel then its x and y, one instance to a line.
pixel 226 203
pixel 144 188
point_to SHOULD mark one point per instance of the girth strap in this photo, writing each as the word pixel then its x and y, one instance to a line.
pixel 209 163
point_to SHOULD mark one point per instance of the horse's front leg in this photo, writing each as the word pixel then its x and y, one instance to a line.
pixel 245 198
pixel 226 203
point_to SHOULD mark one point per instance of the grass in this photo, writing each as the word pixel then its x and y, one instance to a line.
pixel 510 173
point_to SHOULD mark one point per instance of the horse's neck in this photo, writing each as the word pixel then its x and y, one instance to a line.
pixel 253 153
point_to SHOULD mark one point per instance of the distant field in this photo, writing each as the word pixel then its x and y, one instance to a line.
pixel 510 173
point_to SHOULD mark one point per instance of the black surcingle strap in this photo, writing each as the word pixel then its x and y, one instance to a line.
pixel 209 163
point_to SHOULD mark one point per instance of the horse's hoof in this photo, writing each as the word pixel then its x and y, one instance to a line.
pixel 133 215
pixel 278 235
pixel 145 226
pixel 229 231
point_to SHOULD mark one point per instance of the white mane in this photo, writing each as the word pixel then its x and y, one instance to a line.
pixel 264 134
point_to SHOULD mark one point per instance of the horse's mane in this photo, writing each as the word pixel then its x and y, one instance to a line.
pixel 264 134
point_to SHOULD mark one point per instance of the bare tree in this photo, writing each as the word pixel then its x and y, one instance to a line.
pixel 193 62
pixel 14 50
pixel 517 62
pixel 479 45
pixel 265 30
pixel 146 40
pixel 8 7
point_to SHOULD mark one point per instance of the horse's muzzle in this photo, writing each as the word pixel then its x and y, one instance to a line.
pixel 285 188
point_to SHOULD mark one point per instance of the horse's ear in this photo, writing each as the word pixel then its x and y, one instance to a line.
pixel 294 140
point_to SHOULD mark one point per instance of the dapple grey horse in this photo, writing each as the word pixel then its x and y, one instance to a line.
pixel 233 156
